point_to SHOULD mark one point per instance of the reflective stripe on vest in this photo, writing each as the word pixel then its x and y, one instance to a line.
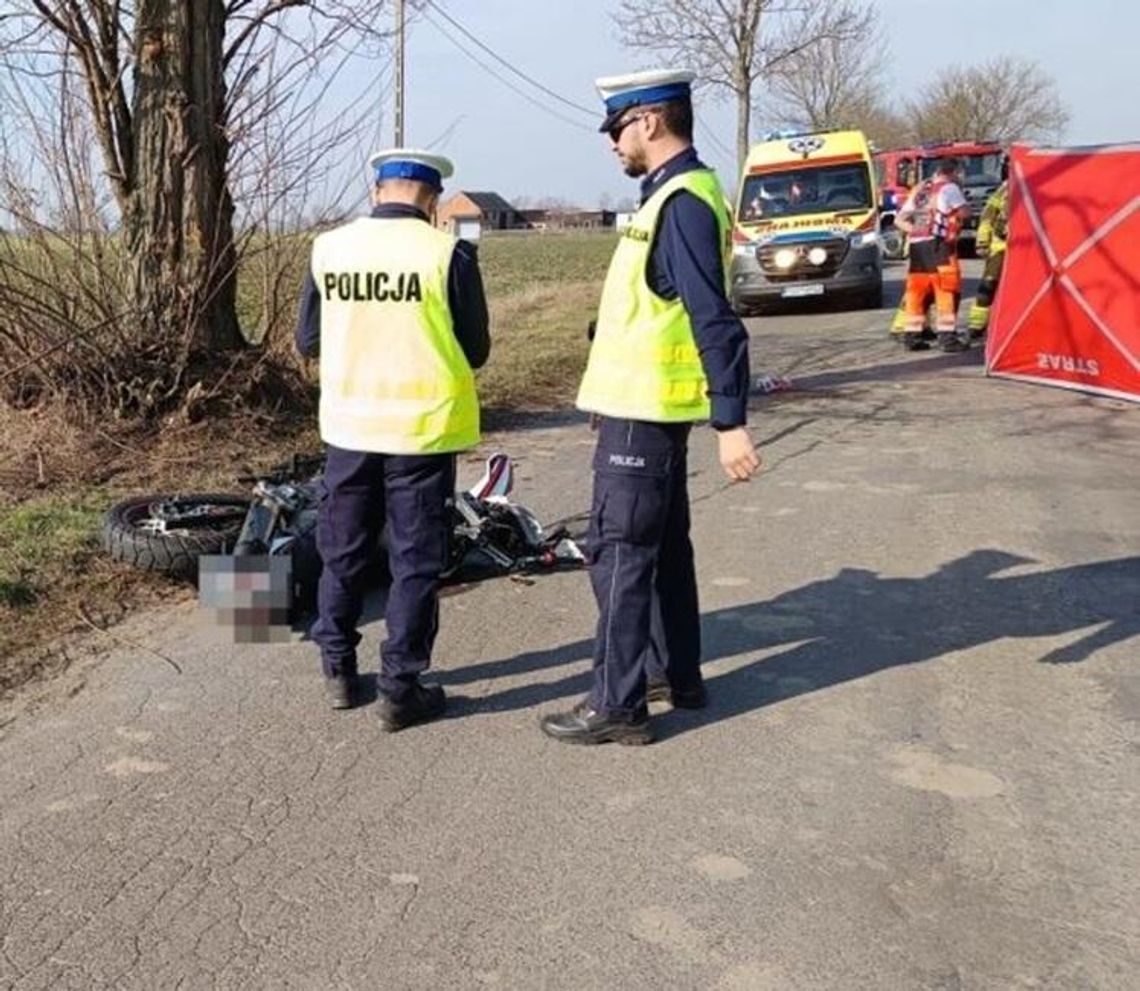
pixel 644 363
pixel 992 228
pixel 394 379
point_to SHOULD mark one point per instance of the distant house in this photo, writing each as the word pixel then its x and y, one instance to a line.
pixel 536 218
pixel 569 219
pixel 594 220
pixel 466 214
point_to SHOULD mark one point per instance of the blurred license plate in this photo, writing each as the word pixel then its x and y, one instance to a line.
pixel 812 289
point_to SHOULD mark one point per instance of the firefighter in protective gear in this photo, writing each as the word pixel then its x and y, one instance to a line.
pixel 992 232
pixel 931 218
pixel 667 351
pixel 395 310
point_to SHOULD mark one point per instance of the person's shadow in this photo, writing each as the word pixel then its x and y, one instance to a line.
pixel 857 623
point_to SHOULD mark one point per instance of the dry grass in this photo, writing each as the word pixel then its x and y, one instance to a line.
pixel 57 479
pixel 543 291
pixel 539 347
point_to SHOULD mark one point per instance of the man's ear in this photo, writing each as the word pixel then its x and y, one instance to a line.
pixel 656 121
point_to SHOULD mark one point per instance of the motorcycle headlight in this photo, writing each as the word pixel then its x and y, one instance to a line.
pixel 784 258
pixel 864 239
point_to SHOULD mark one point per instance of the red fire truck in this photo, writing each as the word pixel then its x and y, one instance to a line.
pixel 900 169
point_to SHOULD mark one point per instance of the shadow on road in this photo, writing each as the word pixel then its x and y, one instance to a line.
pixel 858 623
pixel 496 418
pixel 889 371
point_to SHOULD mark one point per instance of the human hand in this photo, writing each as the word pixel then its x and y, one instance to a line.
pixel 738 456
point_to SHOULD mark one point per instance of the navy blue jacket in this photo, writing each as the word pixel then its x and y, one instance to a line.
pixel 685 260
pixel 464 297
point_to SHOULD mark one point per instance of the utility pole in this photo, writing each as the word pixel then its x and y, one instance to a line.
pixel 399 73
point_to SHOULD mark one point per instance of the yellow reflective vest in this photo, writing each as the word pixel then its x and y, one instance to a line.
pixel 995 220
pixel 644 363
pixel 394 379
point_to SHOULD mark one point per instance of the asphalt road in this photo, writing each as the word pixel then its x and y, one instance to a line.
pixel 919 769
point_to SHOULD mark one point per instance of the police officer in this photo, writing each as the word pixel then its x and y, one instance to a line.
pixel 396 311
pixel 992 228
pixel 667 351
pixel 931 218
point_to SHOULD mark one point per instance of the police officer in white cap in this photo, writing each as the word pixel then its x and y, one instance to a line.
pixel 667 351
pixel 395 310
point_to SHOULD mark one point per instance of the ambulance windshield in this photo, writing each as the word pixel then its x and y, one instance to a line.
pixel 785 192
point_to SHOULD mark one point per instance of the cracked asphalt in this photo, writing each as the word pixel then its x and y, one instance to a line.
pixel 919 769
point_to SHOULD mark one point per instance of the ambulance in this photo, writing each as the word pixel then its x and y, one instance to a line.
pixel 807 222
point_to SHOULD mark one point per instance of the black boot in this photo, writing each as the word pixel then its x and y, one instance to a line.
pixel 344 690
pixel 914 342
pixel 584 725
pixel 951 342
pixel 418 705
pixel 695 697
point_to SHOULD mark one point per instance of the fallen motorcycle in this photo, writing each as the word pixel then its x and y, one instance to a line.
pixel 273 531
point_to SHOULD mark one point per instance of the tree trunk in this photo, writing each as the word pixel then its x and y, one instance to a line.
pixel 743 122
pixel 180 225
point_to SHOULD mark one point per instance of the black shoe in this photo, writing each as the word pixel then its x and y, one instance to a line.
pixel 344 691
pixel 951 343
pixel 696 697
pixel 584 725
pixel 977 335
pixel 914 342
pixel 420 704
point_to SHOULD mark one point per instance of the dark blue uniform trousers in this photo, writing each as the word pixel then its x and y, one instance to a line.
pixel 641 565
pixel 363 492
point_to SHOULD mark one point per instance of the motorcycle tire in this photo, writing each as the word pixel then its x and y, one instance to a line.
pixel 133 535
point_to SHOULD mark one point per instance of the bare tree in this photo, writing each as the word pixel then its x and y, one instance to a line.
pixel 884 126
pixel 150 142
pixel 1004 99
pixel 731 44
pixel 836 82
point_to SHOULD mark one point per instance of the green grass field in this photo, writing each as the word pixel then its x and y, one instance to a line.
pixel 542 291
pixel 514 263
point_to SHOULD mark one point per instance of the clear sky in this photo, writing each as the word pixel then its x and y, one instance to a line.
pixel 503 143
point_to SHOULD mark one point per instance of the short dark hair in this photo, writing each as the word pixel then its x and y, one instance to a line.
pixel 678 117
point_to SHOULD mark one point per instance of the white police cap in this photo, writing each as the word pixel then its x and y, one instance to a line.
pixel 411 163
pixel 639 88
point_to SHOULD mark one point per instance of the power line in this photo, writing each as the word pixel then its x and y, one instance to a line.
pixel 506 82
pixel 505 62
pixel 445 136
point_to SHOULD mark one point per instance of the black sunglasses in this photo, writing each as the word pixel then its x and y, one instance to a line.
pixel 615 131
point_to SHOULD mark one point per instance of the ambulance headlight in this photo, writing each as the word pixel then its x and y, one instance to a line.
pixel 817 256
pixel 744 250
pixel 785 258
pixel 864 239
